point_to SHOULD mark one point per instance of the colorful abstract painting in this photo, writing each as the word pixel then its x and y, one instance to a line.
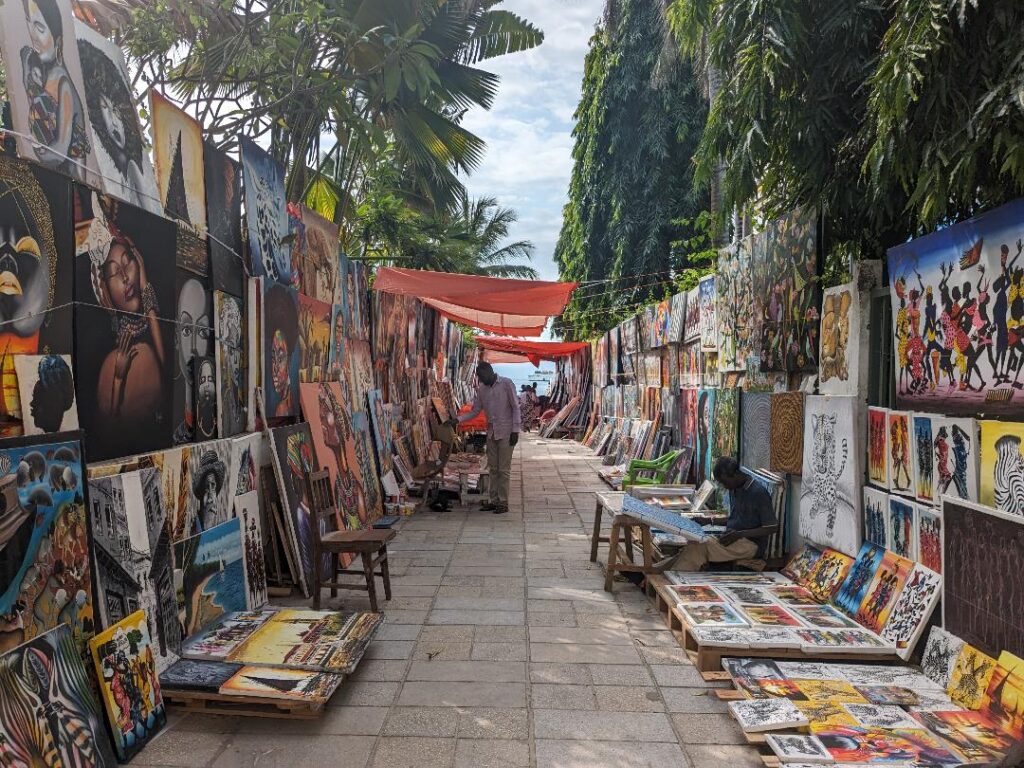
pixel 855 587
pixel 314 339
pixel 878 446
pixel 1004 697
pixel 956 458
pixel 898 453
pixel 886 585
pixel 922 450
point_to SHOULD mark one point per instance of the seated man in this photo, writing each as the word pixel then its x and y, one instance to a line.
pixel 750 508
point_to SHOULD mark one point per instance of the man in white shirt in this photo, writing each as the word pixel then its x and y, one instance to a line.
pixel 496 397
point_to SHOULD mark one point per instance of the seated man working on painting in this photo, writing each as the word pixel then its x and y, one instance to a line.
pixel 750 510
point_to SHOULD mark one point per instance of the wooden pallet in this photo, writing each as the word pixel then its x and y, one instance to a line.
pixel 209 703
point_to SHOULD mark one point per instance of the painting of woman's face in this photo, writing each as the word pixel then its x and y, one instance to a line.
pixel 279 364
pixel 39 31
pixel 112 121
pixel 121 277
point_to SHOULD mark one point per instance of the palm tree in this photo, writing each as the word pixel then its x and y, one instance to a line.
pixel 484 225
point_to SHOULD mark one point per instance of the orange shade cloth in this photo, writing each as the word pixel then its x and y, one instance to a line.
pixel 501 305
pixel 534 351
pixel 491 356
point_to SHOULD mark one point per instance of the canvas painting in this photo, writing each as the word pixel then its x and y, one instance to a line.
pixel 46 573
pixel 224 221
pixel 902 525
pixel 280 350
pixel 877 746
pixel 222 639
pixel 247 457
pixel 830 496
pixel 247 511
pixel 823 617
pixel 125 272
pixel 889 695
pixel 922 445
pixel 132 557
pixel 880 598
pixel 862 573
pixel 210 572
pixel 204 398
pixel 857 640
pixel 696 593
pixel 878 446
pixel 380 421
pixel 231 363
pixel 363 444
pixel 929 538
pixel 981 546
pixel 691 327
pixel 734 306
pixel 1004 697
pixel 46 690
pixel 838 691
pixel 712 615
pixel 825 713
pixel 898 453
pixel 189 675
pixel 44 86
pixel 801 565
pixel 707 297
pixel 283 683
pixel 975 735
pixel 1002 466
pixel 266 214
pixel 314 339
pixel 205 488
pixel 193 339
pixel 793 291
pixel 968 682
pixel 47 391
pixel 796 748
pixel 677 323
pixel 704 457
pixel 838 362
pixel 972 266
pixel 940 655
pixel 787 432
pixel 956 458
pixel 876 517
pixel 828 574
pixel 659 326
pixel 122 159
pixel 293 459
pixel 912 609
pixel 726 427
pixel 792 595
pixel 770 616
pixel 743 593
pixel 759 715
pixel 755 430
pixel 314 254
pixel 129 686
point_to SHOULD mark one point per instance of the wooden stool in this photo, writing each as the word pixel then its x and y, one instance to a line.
pixel 613 503
pixel 622 562
pixel 371 544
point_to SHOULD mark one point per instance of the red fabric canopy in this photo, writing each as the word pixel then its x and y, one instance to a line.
pixel 501 305
pixel 492 356
pixel 534 351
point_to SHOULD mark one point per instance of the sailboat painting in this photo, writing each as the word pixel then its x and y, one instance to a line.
pixel 282 683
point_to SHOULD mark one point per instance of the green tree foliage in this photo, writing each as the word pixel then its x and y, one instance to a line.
pixel 634 213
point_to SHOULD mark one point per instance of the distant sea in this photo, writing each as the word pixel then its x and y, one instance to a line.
pixel 227 588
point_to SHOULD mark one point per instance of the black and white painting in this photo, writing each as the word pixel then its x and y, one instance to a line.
pixel 247 510
pixel 189 675
pixel 205 481
pixel 794 748
pixel 758 715
pixel 940 654
pixel 47 391
pixel 229 325
pixel 881 716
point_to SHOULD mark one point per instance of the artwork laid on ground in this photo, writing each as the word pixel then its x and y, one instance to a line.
pixel 1002 466
pixel 283 683
pixel 830 497
pixel 189 675
pixel 787 432
pixel 231 362
pixel 210 572
pixel 914 605
pixel 266 214
pixel 838 366
pixel 280 323
pixel 224 221
pixel 972 269
pixel 47 391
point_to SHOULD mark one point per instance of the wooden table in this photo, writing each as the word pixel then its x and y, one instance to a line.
pixel 612 501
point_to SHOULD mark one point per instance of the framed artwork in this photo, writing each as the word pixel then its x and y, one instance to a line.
pixel 902 527
pixel 956 458
pixel 125 269
pixel 839 359
pixel 211 570
pixel 247 510
pixel 1002 466
pixel 231 363
pixel 932 278
pixel 280 350
pixel 876 517
pixel 922 449
pixel 122 160
pixel 129 685
pixel 47 391
pixel 224 221
pixel 266 214
pixel 708 298
pixel 878 447
pixel 294 458
pixel 898 453
pixel 830 495
pixel 787 432
pixel 314 339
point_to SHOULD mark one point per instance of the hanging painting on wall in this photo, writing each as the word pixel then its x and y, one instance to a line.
pixel 838 371
pixel 677 322
pixel 125 269
pixel 294 458
pixel 878 446
pixel 47 392
pixel 224 217
pixel 314 253
pixel 193 338
pixel 929 538
pixel 123 655
pixel 122 160
pixel 973 265
pixel 210 569
pixel 922 451
pixel 755 430
pixel 705 433
pixel 787 432
pixel 898 453
pixel 901 527
pixel 232 362
pixel 204 398
pixel 41 63
pixel 707 297
pixel 266 214
pixel 726 428
pixel 876 517
pixel 1002 466
pixel 314 339
pixel 280 350
pixel 691 328
pixel 956 453
pixel 830 496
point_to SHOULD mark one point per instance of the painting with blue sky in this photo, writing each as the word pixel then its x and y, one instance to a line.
pixel 209 576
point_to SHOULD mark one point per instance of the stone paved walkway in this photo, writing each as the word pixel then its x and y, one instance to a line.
pixel 500 649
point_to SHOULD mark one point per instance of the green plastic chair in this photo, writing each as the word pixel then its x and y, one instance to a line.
pixel 660 467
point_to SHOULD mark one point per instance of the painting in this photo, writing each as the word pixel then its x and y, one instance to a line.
pixel 204 398
pixel 968 682
pixel 839 359
pixel 696 593
pixel 876 517
pixel 189 675
pixel 50 708
pixel 131 555
pixel 707 297
pixel 123 366
pixel 838 691
pixel 902 526
pixel 769 616
pixel 882 746
pixel 314 254
pixel 314 688
pixel 1004 697
pixel 247 510
pixel 830 496
pixel 797 748
pixel 692 327
pixel 940 655
pixel 956 458
pixel 898 453
pixel 47 390
pixel 828 574
pixel 755 429
pixel 711 615
pixel 928 547
pixel 280 350
pixel 823 617
pixel 825 713
pixel 922 451
pixel 1002 466
pixel 726 427
pixel 980 545
pixel 193 339
pixel 354 290
pixel 792 595
pixel 210 576
pixel 293 456
pixel 878 447
pixel 704 458
pixel 122 160
pixel 178 157
pixel 759 715
pixel 912 609
pixel 231 363
pixel 247 456
pixel 856 640
pixel 880 597
pixel 47 574
pixel 129 685
pixel 787 432
pixel 975 735
pixel 367 466
pixel 336 355
pixel 888 695
pixel 801 565
pixel 219 641
pixel 381 423
pixel 677 323
pixel 968 269
pixel 862 573
pixel 660 322
pixel 266 214
pixel 204 485
pixel 224 221
pixel 44 86
pixel 735 313
pixel 314 339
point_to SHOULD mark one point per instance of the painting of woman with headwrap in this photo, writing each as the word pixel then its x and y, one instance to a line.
pixel 125 255
pixel 281 350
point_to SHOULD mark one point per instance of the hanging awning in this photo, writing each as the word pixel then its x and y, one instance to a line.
pixel 534 351
pixel 500 305
pixel 491 356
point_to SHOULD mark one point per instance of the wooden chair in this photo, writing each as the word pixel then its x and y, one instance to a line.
pixel 370 544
